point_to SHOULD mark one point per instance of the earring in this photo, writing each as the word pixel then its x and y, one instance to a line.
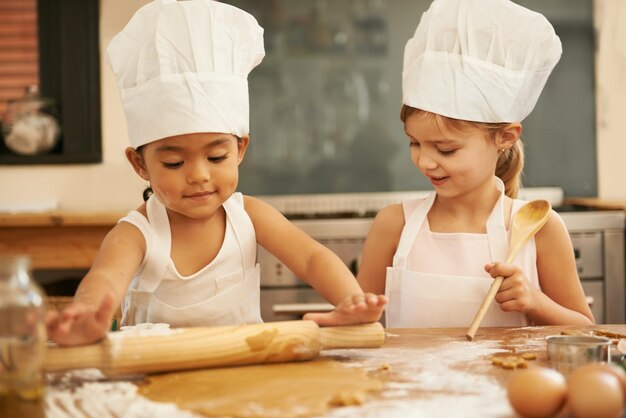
pixel 147 192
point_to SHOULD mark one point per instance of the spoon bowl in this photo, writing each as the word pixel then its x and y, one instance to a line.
pixel 528 220
pixel 526 223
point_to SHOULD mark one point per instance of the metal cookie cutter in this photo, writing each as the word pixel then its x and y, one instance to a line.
pixel 568 352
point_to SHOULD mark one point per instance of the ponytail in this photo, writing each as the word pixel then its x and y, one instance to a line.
pixel 509 168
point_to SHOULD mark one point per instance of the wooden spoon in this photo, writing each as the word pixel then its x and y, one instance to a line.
pixel 526 222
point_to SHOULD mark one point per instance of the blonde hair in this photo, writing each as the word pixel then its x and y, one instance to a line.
pixel 510 162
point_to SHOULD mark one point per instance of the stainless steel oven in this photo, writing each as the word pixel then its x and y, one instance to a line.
pixel 341 222
pixel 598 240
pixel 280 287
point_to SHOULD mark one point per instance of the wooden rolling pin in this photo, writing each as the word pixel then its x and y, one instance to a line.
pixel 189 348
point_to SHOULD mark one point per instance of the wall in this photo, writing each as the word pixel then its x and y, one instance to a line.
pixel 113 186
pixel 610 16
pixel 110 186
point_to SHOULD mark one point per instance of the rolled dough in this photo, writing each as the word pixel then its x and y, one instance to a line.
pixel 271 390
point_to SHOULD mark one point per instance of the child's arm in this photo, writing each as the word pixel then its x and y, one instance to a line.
pixel 100 292
pixel 316 265
pixel 561 299
pixel 380 246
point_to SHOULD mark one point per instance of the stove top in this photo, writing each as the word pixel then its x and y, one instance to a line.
pixel 331 215
pixel 365 206
pixel 579 208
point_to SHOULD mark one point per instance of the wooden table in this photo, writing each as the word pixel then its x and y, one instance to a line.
pixel 438 373
pixel 55 240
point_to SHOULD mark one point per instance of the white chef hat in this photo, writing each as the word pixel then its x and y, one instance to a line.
pixel 182 67
pixel 479 60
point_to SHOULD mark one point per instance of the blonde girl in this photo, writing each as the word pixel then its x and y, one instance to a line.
pixel 473 70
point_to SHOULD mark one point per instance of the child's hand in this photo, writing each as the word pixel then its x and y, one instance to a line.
pixel 356 309
pixel 516 293
pixel 80 324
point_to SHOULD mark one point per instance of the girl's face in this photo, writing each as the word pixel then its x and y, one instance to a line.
pixel 456 162
pixel 192 174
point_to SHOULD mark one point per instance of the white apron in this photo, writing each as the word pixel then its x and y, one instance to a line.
pixel 236 299
pixel 423 300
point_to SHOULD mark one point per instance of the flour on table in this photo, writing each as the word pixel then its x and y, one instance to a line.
pixel 445 389
pixel 74 377
pixel 117 399
pixel 88 393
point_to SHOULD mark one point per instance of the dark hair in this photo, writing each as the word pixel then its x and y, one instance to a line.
pixel 510 162
pixel 147 192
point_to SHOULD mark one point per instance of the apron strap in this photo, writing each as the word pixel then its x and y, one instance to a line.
pixel 244 230
pixel 496 230
pixel 161 246
pixel 161 243
pixel 410 230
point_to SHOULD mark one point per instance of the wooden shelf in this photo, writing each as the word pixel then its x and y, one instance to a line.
pixel 595 202
pixel 55 240
pixel 55 219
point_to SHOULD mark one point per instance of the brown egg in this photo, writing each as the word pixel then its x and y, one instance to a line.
pixel 537 392
pixel 595 393
pixel 614 369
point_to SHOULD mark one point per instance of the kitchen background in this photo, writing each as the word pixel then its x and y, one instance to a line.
pixel 325 102
pixel 325 108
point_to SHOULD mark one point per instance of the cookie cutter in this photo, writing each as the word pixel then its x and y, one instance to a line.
pixel 568 352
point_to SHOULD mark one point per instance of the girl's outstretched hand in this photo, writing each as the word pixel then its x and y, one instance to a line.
pixel 356 309
pixel 79 323
pixel 516 294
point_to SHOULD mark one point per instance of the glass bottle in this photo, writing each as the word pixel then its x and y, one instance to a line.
pixel 22 341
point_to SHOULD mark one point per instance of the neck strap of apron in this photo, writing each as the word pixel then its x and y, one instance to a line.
pixel 243 227
pixel 160 246
pixel 496 231
pixel 160 251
